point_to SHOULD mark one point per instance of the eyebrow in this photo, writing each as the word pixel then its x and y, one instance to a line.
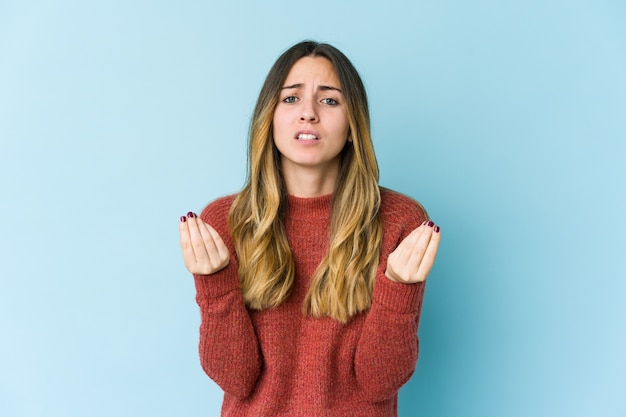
pixel 321 87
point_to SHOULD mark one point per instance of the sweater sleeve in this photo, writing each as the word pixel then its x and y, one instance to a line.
pixel 388 348
pixel 229 349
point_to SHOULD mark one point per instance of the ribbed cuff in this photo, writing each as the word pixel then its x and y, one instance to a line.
pixel 218 284
pixel 398 297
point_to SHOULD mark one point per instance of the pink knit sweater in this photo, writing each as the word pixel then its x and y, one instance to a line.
pixel 279 362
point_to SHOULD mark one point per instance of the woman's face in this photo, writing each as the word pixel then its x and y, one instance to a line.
pixel 310 121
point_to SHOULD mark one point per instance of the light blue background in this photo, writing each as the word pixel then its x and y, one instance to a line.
pixel 505 119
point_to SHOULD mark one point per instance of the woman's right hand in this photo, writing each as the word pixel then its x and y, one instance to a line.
pixel 204 251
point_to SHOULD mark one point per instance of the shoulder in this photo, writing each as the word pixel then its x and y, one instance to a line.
pixel 395 204
pixel 216 212
pixel 397 209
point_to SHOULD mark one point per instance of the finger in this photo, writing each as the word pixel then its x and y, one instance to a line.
pixel 405 248
pixel 219 242
pixel 208 239
pixel 398 267
pixel 197 242
pixel 417 252
pixel 189 256
pixel 429 256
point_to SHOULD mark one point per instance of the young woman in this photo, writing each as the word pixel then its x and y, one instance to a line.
pixel 310 280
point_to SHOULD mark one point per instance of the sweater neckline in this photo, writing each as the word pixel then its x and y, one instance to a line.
pixel 309 207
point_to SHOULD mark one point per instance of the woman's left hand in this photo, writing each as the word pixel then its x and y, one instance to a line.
pixel 414 257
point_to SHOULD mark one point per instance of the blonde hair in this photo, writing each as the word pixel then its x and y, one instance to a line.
pixel 343 283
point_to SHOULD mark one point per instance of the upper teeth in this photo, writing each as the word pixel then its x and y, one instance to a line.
pixel 306 136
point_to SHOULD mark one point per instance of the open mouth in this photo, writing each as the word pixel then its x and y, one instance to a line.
pixel 306 136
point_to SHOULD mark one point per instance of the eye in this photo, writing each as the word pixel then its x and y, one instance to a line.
pixel 290 99
pixel 330 101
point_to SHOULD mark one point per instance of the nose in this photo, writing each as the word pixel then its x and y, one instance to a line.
pixel 309 112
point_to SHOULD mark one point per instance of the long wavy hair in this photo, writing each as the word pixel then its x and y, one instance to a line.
pixel 343 283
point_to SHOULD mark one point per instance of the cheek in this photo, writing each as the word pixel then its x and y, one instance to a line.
pixel 279 121
pixel 343 126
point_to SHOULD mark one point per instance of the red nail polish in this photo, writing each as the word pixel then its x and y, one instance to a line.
pixel 437 229
pixel 191 215
pixel 183 219
pixel 431 223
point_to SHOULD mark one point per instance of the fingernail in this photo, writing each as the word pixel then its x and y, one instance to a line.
pixel 424 222
pixel 191 215
pixel 437 229
pixel 431 223
pixel 183 219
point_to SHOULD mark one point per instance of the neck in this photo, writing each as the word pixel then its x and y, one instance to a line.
pixel 310 183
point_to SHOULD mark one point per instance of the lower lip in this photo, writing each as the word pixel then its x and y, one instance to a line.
pixel 307 141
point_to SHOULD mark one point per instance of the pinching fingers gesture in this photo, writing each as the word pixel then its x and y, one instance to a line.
pixel 413 259
pixel 204 251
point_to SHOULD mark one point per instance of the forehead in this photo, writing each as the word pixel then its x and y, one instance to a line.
pixel 315 70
